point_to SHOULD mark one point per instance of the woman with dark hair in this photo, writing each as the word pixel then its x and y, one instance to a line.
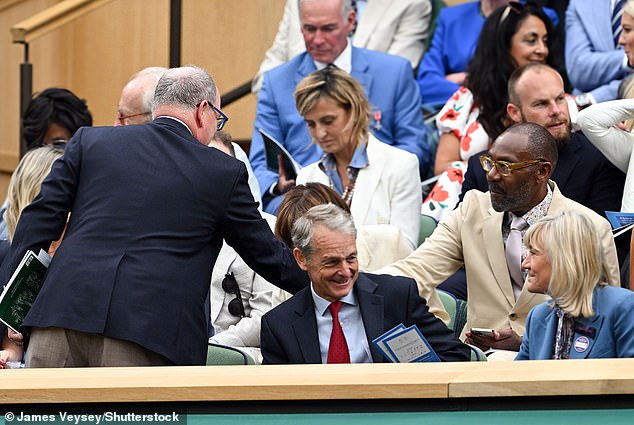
pixel 476 113
pixel 53 115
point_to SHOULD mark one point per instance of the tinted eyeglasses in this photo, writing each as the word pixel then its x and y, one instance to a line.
pixel 230 286
pixel 221 118
pixel 505 168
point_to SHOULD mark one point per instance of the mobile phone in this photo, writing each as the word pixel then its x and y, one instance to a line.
pixel 482 332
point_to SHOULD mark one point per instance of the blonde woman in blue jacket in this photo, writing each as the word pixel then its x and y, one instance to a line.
pixel 586 318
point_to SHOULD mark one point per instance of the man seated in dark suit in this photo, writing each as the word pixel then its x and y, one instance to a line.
pixel 149 208
pixel 364 306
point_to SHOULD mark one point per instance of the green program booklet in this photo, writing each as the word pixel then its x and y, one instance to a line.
pixel 19 294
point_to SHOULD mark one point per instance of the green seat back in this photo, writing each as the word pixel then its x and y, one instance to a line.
pixel 223 355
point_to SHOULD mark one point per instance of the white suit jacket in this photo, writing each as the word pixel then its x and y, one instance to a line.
pixel 257 294
pixel 471 235
pixel 598 122
pixel 387 191
pixel 396 27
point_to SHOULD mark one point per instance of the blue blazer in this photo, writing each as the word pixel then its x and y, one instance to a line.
pixel 150 207
pixel 613 326
pixel 389 85
pixel 593 63
pixel 582 174
pixel 290 335
pixel 455 38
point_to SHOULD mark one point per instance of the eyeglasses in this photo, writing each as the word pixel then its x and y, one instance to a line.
pixel 230 286
pixel 220 116
pixel 122 118
pixel 505 168
pixel 515 6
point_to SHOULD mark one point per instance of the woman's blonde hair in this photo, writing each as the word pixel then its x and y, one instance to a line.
pixel 26 181
pixel 576 258
pixel 336 84
pixel 628 8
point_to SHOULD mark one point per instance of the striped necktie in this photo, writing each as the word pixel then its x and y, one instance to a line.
pixel 616 20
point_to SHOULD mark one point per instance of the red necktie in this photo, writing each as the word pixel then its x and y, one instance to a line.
pixel 338 349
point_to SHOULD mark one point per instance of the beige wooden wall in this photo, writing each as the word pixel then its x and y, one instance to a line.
pixel 95 55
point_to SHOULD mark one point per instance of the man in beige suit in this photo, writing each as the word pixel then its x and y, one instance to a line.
pixel 396 27
pixel 519 165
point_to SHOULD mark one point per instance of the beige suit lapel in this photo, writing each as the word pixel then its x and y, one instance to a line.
pixel 494 245
pixel 374 11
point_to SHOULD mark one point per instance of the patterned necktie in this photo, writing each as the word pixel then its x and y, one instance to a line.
pixel 514 253
pixel 616 20
pixel 338 348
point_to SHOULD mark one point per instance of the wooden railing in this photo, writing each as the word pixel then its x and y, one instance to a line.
pixel 52 18
pixel 36 26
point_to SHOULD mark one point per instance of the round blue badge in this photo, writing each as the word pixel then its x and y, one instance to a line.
pixel 581 344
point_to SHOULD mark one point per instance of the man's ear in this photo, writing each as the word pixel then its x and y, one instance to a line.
pixel 300 258
pixel 514 112
pixel 544 171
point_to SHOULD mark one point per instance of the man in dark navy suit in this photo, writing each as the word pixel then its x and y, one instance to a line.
pixel 338 316
pixel 149 208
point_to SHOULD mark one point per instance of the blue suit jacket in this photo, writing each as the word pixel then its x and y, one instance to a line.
pixel 389 85
pixel 455 38
pixel 593 63
pixel 290 335
pixel 150 206
pixel 582 174
pixel 612 323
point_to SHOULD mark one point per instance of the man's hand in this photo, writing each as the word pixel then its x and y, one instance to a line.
pixel 283 182
pixel 503 339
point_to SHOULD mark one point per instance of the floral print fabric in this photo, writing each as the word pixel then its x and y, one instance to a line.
pixel 459 116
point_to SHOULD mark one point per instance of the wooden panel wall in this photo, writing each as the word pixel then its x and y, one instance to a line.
pixel 229 40
pixel 95 55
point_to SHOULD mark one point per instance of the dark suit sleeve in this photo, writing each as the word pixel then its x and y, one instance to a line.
pixel 250 235
pixel 440 337
pixel 272 351
pixel 474 178
pixel 43 221
pixel 606 189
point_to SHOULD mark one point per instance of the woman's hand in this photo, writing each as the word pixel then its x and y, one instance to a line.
pixel 284 184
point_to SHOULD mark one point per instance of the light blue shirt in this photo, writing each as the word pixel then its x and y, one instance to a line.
pixel 351 324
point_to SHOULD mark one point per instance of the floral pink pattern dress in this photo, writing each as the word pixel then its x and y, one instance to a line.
pixel 459 116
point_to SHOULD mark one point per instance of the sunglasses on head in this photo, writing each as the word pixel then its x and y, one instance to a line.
pixel 230 286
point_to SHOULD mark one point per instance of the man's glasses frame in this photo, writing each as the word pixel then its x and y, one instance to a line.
pixel 121 118
pixel 505 168
pixel 221 118
pixel 230 286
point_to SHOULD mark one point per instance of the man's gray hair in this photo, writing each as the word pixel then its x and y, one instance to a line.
pixel 184 89
pixel 153 75
pixel 346 8
pixel 329 216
